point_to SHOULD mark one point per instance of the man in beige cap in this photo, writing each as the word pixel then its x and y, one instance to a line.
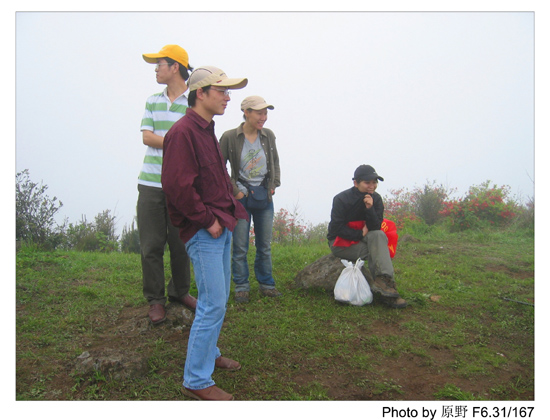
pixel 201 204
pixel 162 110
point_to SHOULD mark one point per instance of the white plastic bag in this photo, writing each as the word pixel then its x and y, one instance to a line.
pixel 352 287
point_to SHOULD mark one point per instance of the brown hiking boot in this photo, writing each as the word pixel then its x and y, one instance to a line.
pixel 242 297
pixel 223 363
pixel 381 285
pixel 212 393
pixel 398 303
pixel 157 313
pixel 190 302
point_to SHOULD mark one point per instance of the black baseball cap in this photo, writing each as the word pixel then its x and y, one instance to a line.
pixel 366 173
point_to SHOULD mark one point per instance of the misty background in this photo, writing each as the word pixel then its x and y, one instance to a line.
pixel 421 96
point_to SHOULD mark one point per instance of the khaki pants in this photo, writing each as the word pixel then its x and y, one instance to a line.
pixel 373 249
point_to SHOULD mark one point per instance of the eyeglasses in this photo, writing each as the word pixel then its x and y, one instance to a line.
pixel 161 64
pixel 226 92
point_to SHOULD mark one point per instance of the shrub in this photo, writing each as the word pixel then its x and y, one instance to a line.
pixel 526 216
pixel 317 233
pixel 428 202
pixel 483 206
pixel 419 205
pixel 96 236
pixel 288 228
pixel 406 207
pixel 129 239
pixel 75 234
pixel 34 212
pixel 399 208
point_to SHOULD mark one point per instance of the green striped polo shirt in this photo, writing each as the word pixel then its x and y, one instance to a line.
pixel 160 114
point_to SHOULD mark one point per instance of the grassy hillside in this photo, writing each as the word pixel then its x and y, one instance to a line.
pixel 468 334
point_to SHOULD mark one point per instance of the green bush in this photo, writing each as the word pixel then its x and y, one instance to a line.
pixel 428 202
pixel 129 240
pixel 526 216
pixel 34 213
pixel 424 210
pixel 288 228
pixel 92 236
pixel 317 233
pixel 74 234
pixel 422 205
pixel 483 206
pixel 399 208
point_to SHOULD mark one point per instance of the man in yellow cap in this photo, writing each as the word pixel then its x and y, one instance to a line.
pixel 201 203
pixel 162 110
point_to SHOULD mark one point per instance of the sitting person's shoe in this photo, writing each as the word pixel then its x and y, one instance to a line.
pixel 157 313
pixel 380 285
pixel 188 301
pixel 212 393
pixel 242 297
pixel 270 292
pixel 398 303
pixel 223 363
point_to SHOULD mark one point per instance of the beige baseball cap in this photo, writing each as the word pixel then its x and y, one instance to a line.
pixel 213 76
pixel 175 52
pixel 256 103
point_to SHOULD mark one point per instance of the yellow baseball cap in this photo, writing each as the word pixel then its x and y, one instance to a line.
pixel 213 76
pixel 175 52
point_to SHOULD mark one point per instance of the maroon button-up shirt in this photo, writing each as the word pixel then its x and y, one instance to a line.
pixel 195 179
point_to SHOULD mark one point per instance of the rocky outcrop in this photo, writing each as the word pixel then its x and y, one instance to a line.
pixel 324 273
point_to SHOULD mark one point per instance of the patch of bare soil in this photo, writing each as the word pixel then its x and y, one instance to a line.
pixel 401 377
pixel 123 348
pixel 120 351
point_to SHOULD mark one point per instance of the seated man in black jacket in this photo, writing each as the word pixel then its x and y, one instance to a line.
pixel 354 232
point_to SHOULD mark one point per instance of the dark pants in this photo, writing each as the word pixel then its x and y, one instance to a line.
pixel 155 230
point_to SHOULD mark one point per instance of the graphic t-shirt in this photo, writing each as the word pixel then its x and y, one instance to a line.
pixel 253 164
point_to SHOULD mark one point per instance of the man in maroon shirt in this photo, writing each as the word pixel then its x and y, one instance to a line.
pixel 201 204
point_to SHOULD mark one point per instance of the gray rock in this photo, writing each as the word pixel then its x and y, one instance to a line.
pixel 324 273
pixel 111 362
pixel 187 317
pixel 84 355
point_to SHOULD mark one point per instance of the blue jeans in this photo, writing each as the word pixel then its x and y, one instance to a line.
pixel 263 230
pixel 211 260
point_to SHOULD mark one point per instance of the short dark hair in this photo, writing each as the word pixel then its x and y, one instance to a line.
pixel 192 98
pixel 366 180
pixel 184 71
